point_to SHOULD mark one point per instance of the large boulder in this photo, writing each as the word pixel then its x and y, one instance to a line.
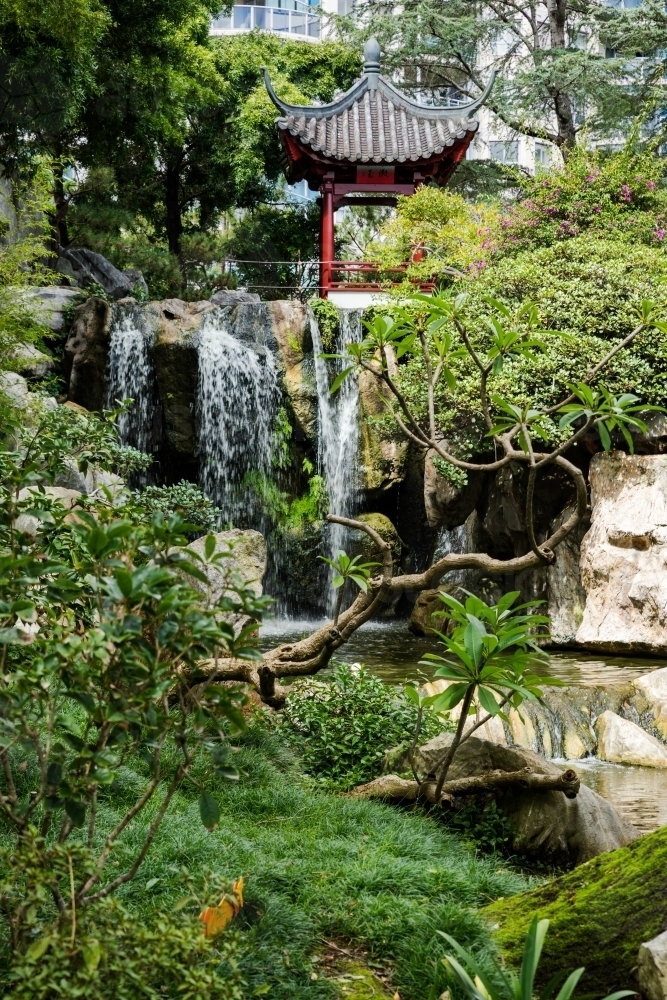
pixel 654 688
pixel 549 826
pixel 86 268
pixel 232 297
pixel 50 305
pixel 244 565
pixel 623 742
pixel 86 356
pixel 623 555
pixel 599 915
pixel 652 967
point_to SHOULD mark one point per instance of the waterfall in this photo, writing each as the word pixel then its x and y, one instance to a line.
pixel 452 540
pixel 132 374
pixel 237 398
pixel 338 425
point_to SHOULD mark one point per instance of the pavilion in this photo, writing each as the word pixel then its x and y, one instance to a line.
pixel 366 147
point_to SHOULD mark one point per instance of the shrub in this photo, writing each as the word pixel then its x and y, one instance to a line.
pixel 185 499
pixel 342 728
pixel 619 197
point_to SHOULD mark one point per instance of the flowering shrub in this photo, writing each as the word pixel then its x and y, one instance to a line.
pixel 617 196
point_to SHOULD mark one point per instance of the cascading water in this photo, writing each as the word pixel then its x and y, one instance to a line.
pixel 132 375
pixel 338 426
pixel 452 540
pixel 237 399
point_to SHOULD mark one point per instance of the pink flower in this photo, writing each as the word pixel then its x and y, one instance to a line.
pixel 651 185
pixel 626 193
pixel 659 234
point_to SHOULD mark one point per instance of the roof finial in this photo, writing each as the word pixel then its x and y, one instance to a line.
pixel 372 56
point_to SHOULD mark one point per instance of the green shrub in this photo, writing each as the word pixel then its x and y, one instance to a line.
pixel 342 728
pixel 114 956
pixel 328 322
pixel 184 498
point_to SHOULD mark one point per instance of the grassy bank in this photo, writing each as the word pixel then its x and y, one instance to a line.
pixel 318 867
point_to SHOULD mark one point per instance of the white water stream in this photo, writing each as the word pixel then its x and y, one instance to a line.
pixel 237 398
pixel 338 426
pixel 132 375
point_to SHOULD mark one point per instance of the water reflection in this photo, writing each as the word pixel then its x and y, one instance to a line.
pixel 391 652
pixel 639 793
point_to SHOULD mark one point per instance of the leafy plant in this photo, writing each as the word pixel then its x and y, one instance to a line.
pixel 348 568
pixel 98 641
pixel 485 825
pixel 184 498
pixel 503 985
pixel 328 321
pixel 493 653
pixel 342 728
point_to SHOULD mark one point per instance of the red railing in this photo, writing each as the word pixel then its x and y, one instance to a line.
pixel 355 275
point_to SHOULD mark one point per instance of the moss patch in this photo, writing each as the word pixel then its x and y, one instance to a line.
pixel 600 913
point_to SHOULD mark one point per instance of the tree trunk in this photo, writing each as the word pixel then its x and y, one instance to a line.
pixel 173 207
pixel 61 205
pixel 390 786
pixel 567 132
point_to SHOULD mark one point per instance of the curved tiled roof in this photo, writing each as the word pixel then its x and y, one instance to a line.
pixel 375 123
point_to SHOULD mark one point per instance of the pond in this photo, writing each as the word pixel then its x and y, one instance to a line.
pixel 392 652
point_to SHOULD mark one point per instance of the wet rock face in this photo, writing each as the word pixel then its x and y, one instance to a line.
pixel 86 354
pixel 448 506
pixel 565 593
pixel 623 555
pixel 383 457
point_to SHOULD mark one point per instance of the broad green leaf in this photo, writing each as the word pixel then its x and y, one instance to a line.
pixel 209 546
pixel 209 811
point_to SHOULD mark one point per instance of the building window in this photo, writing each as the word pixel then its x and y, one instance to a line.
pixel 542 155
pixel 505 152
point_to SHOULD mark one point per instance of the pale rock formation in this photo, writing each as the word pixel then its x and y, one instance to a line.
pixel 33 363
pixel 654 688
pixel 652 968
pixel 623 555
pixel 49 305
pixel 623 742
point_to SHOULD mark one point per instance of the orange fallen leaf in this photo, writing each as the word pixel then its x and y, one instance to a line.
pixel 216 918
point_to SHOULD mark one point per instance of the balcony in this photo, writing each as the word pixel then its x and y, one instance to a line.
pixel 288 18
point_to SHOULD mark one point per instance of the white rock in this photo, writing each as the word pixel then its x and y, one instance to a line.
pixel 15 387
pixel 29 523
pixel 622 742
pixel 34 362
pixel 654 687
pixel 652 968
pixel 623 556
pixel 48 305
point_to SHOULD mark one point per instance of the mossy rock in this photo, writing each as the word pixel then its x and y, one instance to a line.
pixel 599 915
pixel 364 546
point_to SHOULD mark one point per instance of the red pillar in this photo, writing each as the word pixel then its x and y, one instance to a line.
pixel 326 234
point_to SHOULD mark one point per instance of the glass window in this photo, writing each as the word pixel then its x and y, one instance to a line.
pixel 542 154
pixel 242 18
pixel 505 152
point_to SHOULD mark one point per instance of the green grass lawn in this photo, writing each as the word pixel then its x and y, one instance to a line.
pixel 319 866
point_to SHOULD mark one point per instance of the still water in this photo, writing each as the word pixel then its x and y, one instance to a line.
pixel 391 652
